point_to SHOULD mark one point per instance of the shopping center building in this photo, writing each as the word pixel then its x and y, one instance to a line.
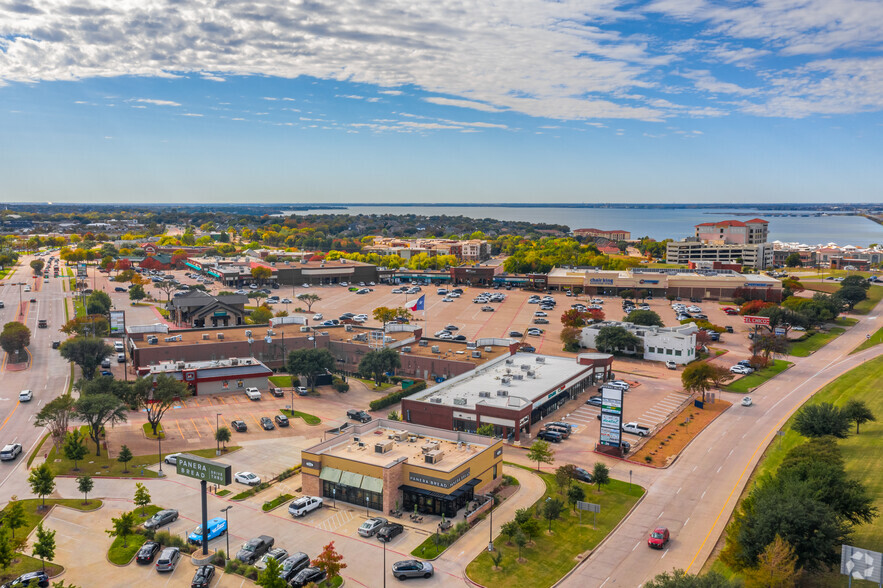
pixel 388 465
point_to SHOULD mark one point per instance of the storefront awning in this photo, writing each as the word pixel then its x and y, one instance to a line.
pixel 330 475
pixel 351 479
pixel 429 493
pixel 372 484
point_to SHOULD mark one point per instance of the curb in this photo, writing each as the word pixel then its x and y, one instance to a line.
pixel 128 563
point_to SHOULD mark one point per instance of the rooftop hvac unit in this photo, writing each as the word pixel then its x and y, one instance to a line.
pixel 506 381
pixel 271 332
pixel 485 394
pixel 524 367
pixel 153 341
pixel 433 456
pixel 541 359
pixel 305 329
pixel 406 349
pixel 509 361
pixel 250 340
pixel 435 349
pixel 531 374
pixel 384 446
pixel 348 328
pixel 268 339
pixel 205 336
pixel 179 365
pixel 220 336
pixel 488 349
pixel 423 343
pixel 429 446
pixel 436 400
pixel 519 376
pixel 248 333
pixel 234 361
pixel 502 393
pixel 476 354
pixel 170 339
pixel 460 401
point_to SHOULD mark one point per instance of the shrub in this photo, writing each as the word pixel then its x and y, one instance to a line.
pixel 394 397
pixel 338 384
pixel 168 540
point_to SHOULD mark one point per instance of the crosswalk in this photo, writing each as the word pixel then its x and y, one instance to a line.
pixel 336 520
pixel 585 415
pixel 661 410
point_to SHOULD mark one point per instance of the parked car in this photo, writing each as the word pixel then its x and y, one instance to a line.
pixel 247 478
pixel 281 420
pixel 277 392
pixel 253 393
pixel 303 505
pixel 216 527
pixel 147 552
pixel 388 531
pixel 267 424
pixel 29 579
pixel 487 309
pixel 635 429
pixel 10 452
pixel 582 475
pixel 239 426
pixel 540 321
pixel 203 577
pixel 277 553
pixel 671 365
pixel 293 564
pixel 594 400
pixel 307 576
pixel 358 415
pixel 371 526
pixel 172 458
pixel 527 348
pixel 168 559
pixel 163 517
pixel 302 391
pixel 253 549
pixel 412 568
pixel 547 435
pixel 516 334
pixel 659 538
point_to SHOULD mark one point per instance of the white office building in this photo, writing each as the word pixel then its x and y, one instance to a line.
pixel 677 344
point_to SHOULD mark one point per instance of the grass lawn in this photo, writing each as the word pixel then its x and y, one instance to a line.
pixel 371 385
pixel 36 451
pixel 746 383
pixel 814 342
pixel 845 321
pixel 271 504
pixel 22 564
pixel 281 381
pixel 875 339
pixel 79 309
pixel 223 492
pixel 875 294
pixel 148 431
pixel 860 452
pixel 34 514
pixel 121 555
pixel 308 418
pixel 549 557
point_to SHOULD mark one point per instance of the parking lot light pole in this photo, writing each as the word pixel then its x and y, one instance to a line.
pixel 384 564
pixel 334 496
pixel 227 533
pixel 367 514
pixel 217 430
pixel 159 438
pixel 490 538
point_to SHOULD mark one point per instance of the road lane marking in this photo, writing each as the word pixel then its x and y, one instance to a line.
pixel 660 515
pixel 687 521
pixel 664 554
pixel 14 408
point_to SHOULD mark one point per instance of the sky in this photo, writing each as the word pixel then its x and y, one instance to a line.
pixel 449 101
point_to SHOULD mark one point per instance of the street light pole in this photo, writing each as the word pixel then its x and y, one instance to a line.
pixel 334 496
pixel 217 431
pixel 490 533
pixel 227 533
pixel 384 564
pixel 159 439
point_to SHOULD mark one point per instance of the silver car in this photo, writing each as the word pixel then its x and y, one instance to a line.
pixel 412 568
pixel 163 517
pixel 371 526
pixel 168 559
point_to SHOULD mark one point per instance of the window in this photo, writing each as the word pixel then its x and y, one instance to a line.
pixel 668 351
pixel 495 471
pixel 678 352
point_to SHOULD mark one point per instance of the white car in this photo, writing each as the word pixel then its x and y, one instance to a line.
pixel 447 299
pixel 303 505
pixel 454 295
pixel 247 478
pixel 540 313
pixel 741 369
pixel 304 285
pixel 253 393
pixel 25 396
pixel 286 301
pixel 694 309
pixel 318 317
pixel 253 286
pixel 798 329
pixel 746 401
pixel 597 301
pixel 172 458
pixel 671 365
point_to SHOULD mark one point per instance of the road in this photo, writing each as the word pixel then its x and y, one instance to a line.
pixel 695 497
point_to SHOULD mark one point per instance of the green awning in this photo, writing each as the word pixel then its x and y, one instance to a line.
pixel 372 484
pixel 330 474
pixel 351 479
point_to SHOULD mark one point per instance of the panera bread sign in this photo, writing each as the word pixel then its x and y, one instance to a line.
pixel 439 483
pixel 200 468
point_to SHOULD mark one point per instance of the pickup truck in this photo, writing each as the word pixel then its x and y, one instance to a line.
pixel 253 393
pixel 635 429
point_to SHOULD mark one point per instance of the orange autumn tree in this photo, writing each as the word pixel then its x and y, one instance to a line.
pixel 329 561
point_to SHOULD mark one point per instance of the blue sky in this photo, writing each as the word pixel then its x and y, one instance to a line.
pixel 347 101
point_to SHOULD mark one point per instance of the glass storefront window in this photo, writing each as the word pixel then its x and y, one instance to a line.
pixel 352 495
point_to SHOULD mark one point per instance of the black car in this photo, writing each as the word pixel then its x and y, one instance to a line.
pixel 281 420
pixel 547 435
pixel 358 415
pixel 267 424
pixel 253 549
pixel 239 426
pixel 582 475
pixel 460 338
pixel 388 531
pixel 293 564
pixel 203 577
pixel 516 334
pixel 30 579
pixel 307 576
pixel 147 552
pixel 277 392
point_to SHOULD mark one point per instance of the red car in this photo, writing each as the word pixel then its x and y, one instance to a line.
pixel 730 311
pixel 658 538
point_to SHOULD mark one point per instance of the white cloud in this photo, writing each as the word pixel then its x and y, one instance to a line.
pixel 461 103
pixel 391 92
pixel 212 77
pixel 157 102
pixel 191 114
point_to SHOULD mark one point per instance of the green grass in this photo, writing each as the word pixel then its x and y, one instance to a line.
pixel 223 492
pixel 553 556
pixel 281 381
pixel 148 431
pixel 271 504
pixel 101 466
pixel 666 265
pixel 744 384
pixel 79 309
pixel 22 564
pixel 120 555
pixel 860 452
pixel 250 492
pixel 308 418
pixel 4 272
pixel 814 342
pixel 845 321
pixel 875 294
pixel 370 383
pixel 875 339
pixel 211 451
pixel 34 514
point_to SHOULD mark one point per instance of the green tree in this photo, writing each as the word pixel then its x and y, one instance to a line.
pixel 125 457
pixel 615 339
pixel 98 302
pixel 97 410
pixel 508 530
pixel 564 476
pixel 851 295
pixel 646 318
pixel 681 579
pixel 123 526
pixel 776 567
pixel 142 497
pixel 85 485
pixel 86 352
pixel 7 550
pixel 261 273
pixel 14 338
pixel 486 430
pixel 55 416
pixel 856 280
pixel 793 260
pixel 269 576
pixel 570 337
pixel 768 345
pixel 552 509
pixel 520 540
pixel 44 546
pixel 858 412
pixel 261 315
pixel 37 265
pixel 600 475
pixel 698 378
pixel 222 435
pixel 309 300
pixel 541 452
pixel 14 517
pixel 75 447
pixel 137 293
pixel 155 395
pixel 575 494
pixel 375 364
pixel 42 482
pixel 166 286
pixel 818 420
pixel 310 363
pixel 530 527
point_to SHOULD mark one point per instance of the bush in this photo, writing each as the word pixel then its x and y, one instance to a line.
pixel 234 566
pixel 339 384
pixel 288 473
pixel 168 540
pixel 394 397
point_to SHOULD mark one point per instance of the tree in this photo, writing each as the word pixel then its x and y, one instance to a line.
pixel 564 475
pixel 261 315
pixel 37 265
pixel 552 509
pixel 541 452
pixel 573 318
pixel 626 294
pixel 85 485
pixel 520 540
pixel 486 430
pixel 382 314
pixel 858 412
pixel 14 338
pixel 329 561
pixel 600 475
pixel 375 364
pixel 142 497
pixel 855 281
pixel 75 447
pixel 44 546
pixel 614 339
pixel 155 395
pixel 42 482
pixel 7 550
pixel 508 530
pixel 137 293
pixel 309 300
pixel 575 494
pixel 269 577
pixel 98 302
pixel 55 416
pixel 86 352
pixel 166 286
pixel 793 260
pixel 261 273
pixel 818 420
pixel 681 579
pixel 720 375
pixel 15 516
pixel 97 410
pixel 769 345
pixel 698 378
pixel 851 295
pixel 222 435
pixel 310 363
pixel 776 567
pixel 90 325
pixel 123 526
pixel 646 318
pixel 570 337
pixel 530 527
pixel 125 457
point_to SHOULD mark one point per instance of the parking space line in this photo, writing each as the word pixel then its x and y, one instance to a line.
pixel 197 428
pixel 179 428
pixel 256 421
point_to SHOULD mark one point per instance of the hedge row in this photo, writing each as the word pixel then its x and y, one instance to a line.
pixel 394 397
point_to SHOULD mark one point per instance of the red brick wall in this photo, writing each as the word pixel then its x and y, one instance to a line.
pixel 311 485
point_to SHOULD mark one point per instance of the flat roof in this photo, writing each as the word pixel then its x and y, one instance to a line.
pixel 641 273
pixel 232 365
pixel 237 333
pixel 457 448
pixel 512 382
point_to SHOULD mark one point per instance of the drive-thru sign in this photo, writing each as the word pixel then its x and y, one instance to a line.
pixel 206 471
